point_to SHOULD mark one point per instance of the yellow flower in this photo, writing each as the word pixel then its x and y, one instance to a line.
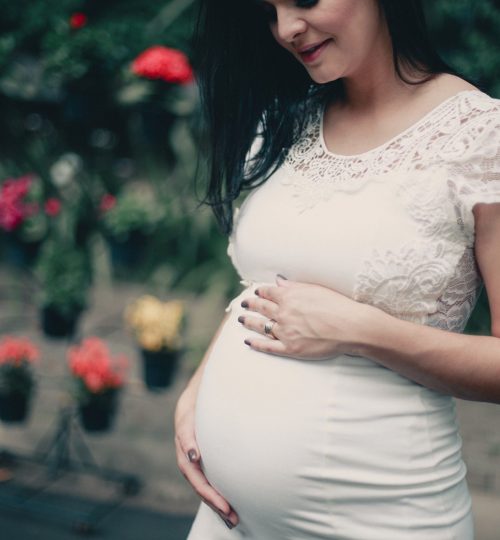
pixel 156 324
pixel 150 340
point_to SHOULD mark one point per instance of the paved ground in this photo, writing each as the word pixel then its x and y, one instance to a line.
pixel 125 523
pixel 142 441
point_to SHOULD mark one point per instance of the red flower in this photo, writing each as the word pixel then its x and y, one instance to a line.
pixel 17 351
pixel 52 206
pixel 160 62
pixel 11 216
pixel 13 208
pixel 77 20
pixel 107 202
pixel 92 363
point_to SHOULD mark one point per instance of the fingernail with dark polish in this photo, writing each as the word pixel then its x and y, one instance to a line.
pixel 228 523
pixel 241 319
pixel 256 292
pixel 282 276
pixel 192 455
pixel 246 342
pixel 244 303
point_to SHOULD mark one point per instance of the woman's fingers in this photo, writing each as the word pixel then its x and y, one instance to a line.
pixel 266 307
pixel 191 470
pixel 186 439
pixel 270 346
pixel 189 462
pixel 257 324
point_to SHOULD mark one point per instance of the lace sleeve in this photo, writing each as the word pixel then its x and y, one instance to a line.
pixel 476 166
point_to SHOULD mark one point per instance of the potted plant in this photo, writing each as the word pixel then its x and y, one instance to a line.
pixel 64 272
pixel 127 220
pixel 99 378
pixel 24 218
pixel 157 327
pixel 17 356
pixel 160 87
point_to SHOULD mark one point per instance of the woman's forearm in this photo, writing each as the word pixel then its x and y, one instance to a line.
pixel 465 366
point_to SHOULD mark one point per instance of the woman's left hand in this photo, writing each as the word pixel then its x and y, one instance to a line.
pixel 312 322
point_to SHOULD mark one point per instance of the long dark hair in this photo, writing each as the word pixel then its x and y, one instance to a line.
pixel 249 84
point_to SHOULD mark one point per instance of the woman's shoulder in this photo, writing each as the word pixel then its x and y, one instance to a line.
pixel 446 87
pixel 469 121
pixel 471 100
pixel 446 83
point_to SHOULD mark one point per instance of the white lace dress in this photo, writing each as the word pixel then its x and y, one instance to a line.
pixel 345 449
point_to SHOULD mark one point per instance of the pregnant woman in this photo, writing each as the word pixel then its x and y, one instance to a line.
pixel 324 407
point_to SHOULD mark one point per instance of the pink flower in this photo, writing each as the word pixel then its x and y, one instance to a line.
pixel 107 202
pixel 78 20
pixel 92 363
pixel 52 206
pixel 17 351
pixel 11 216
pixel 17 188
pixel 164 63
pixel 13 208
pixel 94 382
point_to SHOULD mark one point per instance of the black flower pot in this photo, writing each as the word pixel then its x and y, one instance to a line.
pixel 59 324
pixel 14 407
pixel 159 368
pixel 129 253
pixel 21 254
pixel 97 414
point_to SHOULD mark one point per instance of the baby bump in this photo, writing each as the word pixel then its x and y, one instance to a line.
pixel 298 438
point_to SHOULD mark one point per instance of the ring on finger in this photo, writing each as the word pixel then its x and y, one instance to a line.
pixel 268 328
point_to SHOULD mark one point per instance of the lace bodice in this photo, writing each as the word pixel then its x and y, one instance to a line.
pixel 393 226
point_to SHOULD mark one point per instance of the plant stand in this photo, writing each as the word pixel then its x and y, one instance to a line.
pixel 62 451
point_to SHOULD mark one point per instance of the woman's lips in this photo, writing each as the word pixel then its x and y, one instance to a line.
pixel 309 57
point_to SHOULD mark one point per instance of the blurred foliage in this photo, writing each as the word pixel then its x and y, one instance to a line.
pixel 466 34
pixel 76 116
pixel 135 210
pixel 65 276
pixel 115 32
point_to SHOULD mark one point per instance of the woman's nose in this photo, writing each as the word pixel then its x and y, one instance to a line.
pixel 289 25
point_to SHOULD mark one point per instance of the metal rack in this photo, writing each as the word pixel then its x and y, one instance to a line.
pixel 61 451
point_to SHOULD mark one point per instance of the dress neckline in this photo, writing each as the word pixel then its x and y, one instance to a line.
pixel 399 135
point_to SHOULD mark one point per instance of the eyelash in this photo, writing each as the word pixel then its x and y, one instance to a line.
pixel 270 12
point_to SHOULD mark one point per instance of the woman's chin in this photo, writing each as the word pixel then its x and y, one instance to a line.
pixel 323 78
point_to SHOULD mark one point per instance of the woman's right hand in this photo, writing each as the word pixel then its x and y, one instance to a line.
pixel 189 459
